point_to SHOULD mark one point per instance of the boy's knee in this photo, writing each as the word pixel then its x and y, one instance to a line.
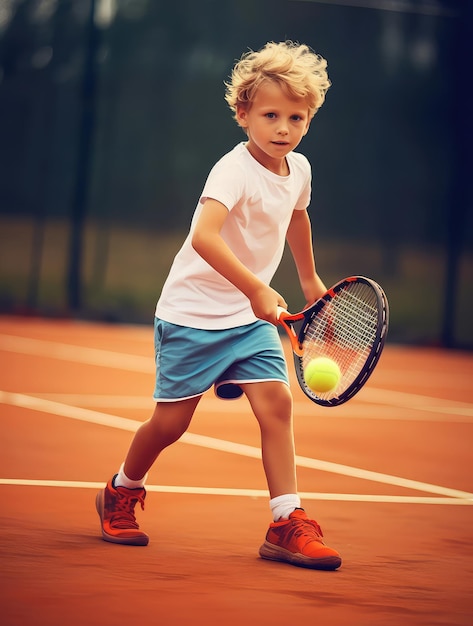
pixel 270 399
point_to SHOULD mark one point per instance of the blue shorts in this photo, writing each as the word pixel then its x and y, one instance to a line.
pixel 189 360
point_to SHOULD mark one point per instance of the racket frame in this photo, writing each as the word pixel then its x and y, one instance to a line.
pixel 297 325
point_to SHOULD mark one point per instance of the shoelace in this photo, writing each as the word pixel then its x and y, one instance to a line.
pixel 124 514
pixel 307 528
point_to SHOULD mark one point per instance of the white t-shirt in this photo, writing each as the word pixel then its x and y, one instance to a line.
pixel 260 205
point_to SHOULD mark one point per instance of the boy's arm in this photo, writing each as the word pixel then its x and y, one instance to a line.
pixel 207 242
pixel 299 238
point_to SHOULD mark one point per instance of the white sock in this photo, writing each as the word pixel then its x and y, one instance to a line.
pixel 122 480
pixel 283 506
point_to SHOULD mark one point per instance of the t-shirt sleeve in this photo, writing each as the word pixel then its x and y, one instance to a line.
pixel 304 170
pixel 225 183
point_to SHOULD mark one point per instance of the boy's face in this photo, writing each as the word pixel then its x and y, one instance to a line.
pixel 275 125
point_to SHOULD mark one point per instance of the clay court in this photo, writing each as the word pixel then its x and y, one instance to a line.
pixel 387 475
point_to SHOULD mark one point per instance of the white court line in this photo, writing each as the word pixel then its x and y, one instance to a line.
pixel 248 493
pixel 416 401
pixel 78 354
pixel 95 417
pixel 366 406
pixel 136 363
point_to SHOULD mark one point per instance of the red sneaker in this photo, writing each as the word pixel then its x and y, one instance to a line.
pixel 116 508
pixel 298 540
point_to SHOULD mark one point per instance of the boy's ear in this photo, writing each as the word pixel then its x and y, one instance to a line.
pixel 307 127
pixel 241 116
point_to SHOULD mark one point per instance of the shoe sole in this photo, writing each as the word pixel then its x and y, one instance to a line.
pixel 141 540
pixel 274 553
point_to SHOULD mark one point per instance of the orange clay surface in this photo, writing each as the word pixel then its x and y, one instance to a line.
pixel 389 477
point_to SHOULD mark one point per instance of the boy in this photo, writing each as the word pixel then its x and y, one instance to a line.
pixel 217 307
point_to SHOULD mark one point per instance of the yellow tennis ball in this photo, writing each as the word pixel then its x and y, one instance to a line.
pixel 322 374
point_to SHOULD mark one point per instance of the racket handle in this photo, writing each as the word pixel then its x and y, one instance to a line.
pixel 281 313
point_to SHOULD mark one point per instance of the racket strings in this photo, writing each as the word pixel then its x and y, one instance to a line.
pixel 344 331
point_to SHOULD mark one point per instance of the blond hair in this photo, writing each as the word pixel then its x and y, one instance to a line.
pixel 295 67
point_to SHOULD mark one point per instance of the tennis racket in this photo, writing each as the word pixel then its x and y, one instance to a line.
pixel 348 325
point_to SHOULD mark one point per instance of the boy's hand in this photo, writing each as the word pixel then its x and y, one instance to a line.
pixel 265 301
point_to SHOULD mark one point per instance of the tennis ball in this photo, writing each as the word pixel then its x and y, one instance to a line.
pixel 322 374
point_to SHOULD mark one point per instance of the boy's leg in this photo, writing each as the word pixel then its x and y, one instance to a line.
pixel 271 403
pixel 292 537
pixel 169 422
pixel 116 503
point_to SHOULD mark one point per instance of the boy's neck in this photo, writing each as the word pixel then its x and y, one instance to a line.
pixel 279 167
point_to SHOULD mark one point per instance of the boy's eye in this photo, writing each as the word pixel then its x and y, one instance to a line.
pixel 271 116
pixel 296 118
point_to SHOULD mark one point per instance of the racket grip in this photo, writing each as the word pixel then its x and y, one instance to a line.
pixel 281 313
